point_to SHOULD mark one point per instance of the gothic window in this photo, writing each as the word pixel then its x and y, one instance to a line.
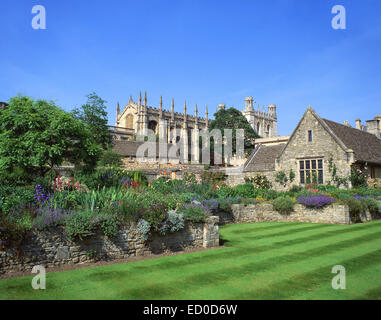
pixel 311 171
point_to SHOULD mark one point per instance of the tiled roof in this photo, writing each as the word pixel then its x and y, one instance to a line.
pixel 263 158
pixel 366 146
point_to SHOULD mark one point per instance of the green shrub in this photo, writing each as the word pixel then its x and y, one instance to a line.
pixel 359 176
pixel 13 230
pixel 283 205
pixel 225 204
pixel 155 215
pixel 259 181
pixel 246 190
pixel 80 225
pixel 213 177
pixel 194 212
pixel 110 158
pixel 269 194
pixel 248 201
pixel 108 225
pixel 295 189
pixel 281 178
pixel 372 205
pixel 356 207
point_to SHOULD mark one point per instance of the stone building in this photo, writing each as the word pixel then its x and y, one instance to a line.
pixel 138 117
pixel 264 123
pixel 309 150
pixel 171 127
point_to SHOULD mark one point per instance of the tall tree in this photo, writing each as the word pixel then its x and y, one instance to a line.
pixel 94 115
pixel 37 135
pixel 234 119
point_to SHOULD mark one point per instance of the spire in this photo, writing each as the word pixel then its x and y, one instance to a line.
pixel 195 115
pixel 173 110
pixel 130 101
pixel 206 116
pixel 145 99
pixel 161 107
pixel 117 109
pixel 185 111
pixel 140 99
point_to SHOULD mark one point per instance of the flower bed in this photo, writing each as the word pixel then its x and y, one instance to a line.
pixel 318 201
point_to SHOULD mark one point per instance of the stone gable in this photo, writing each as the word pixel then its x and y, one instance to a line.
pixel 323 146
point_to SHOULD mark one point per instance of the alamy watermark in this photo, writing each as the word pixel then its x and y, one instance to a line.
pixel 39 281
pixel 39 20
pixel 339 20
pixel 338 281
pixel 187 146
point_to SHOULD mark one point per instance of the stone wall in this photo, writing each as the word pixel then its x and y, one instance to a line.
pixel 334 214
pixel 52 247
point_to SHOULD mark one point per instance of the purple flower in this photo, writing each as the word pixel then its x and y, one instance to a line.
pixel 315 201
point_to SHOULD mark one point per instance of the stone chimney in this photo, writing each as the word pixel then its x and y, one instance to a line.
pixel 358 124
pixel 373 127
pixel 346 123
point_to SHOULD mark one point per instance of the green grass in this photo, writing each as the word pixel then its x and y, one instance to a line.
pixel 260 261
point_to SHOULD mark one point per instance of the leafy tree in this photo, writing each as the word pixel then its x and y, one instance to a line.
pixel 36 135
pixel 94 115
pixel 110 158
pixel 233 119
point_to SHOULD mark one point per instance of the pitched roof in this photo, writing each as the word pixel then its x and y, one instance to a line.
pixel 366 146
pixel 263 158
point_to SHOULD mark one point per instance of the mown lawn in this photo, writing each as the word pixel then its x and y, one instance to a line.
pixel 261 261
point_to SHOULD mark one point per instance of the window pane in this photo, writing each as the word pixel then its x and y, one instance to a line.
pixel 308 176
pixel 308 165
pixel 301 165
pixel 314 176
pixel 320 164
pixel 302 177
pixel 320 178
pixel 313 163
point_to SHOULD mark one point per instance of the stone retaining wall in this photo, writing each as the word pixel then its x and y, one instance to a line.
pixel 52 247
pixel 335 214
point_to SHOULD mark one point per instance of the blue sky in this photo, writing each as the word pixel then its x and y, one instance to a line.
pixel 202 51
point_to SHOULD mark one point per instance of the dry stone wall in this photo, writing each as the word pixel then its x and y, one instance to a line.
pixel 334 214
pixel 53 248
